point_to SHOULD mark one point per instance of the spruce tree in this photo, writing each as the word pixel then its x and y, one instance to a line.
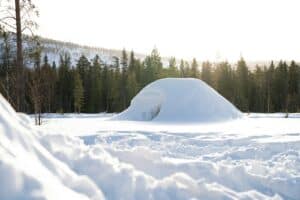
pixel 106 88
pixel 206 73
pixel 77 92
pixel 281 87
pixel 84 69
pixel 293 87
pixel 124 80
pixel 116 87
pixel 138 71
pixel 194 69
pixel 96 86
pixel 187 69
pixel 48 75
pixel 132 63
pixel 181 68
pixel 132 86
pixel 242 81
pixel 257 93
pixel 152 67
pixel 271 95
pixel 172 71
pixel 225 80
pixel 65 84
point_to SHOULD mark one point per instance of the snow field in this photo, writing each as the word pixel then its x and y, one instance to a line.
pixel 249 158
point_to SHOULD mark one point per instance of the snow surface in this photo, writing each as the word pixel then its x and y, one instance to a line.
pixel 179 100
pixel 248 158
pixel 28 170
pixel 92 157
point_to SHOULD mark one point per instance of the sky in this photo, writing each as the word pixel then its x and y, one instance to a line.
pixel 204 29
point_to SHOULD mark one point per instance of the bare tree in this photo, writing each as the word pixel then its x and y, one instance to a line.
pixel 36 84
pixel 18 17
pixel 36 97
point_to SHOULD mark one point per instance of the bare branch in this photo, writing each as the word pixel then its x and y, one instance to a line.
pixel 29 29
pixel 8 17
pixel 7 25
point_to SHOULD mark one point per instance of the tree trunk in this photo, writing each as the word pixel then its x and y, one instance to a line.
pixel 20 84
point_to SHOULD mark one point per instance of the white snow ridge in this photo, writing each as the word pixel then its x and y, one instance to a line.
pixel 179 99
pixel 29 171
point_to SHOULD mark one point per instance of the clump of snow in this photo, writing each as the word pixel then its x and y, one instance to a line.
pixel 179 100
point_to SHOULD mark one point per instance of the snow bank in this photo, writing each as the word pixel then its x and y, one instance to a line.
pixel 179 100
pixel 29 171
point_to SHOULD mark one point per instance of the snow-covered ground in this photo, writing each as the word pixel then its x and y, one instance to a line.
pixel 248 157
pixel 96 156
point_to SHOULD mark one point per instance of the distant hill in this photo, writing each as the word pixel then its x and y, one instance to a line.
pixel 54 48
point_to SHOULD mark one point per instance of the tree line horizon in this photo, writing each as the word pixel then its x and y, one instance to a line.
pixel 92 86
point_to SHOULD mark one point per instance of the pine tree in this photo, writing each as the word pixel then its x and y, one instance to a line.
pixel 48 76
pixel 187 69
pixel 181 68
pixel 77 92
pixel 54 101
pixel 206 74
pixel 271 96
pixel 293 87
pixel 107 95
pixel 242 93
pixel 152 67
pixel 172 71
pixel 124 80
pixel 84 69
pixel 138 72
pixel 257 93
pixel 132 86
pixel 225 80
pixel 65 84
pixel 82 66
pixel 194 69
pixel 132 63
pixel 134 73
pixel 281 87
pixel 116 87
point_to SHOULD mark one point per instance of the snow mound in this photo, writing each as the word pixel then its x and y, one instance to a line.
pixel 28 170
pixel 179 100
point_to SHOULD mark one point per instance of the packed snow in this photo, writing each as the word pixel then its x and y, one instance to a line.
pixel 179 100
pixel 96 156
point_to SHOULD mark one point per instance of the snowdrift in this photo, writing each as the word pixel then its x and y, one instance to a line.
pixel 179 100
pixel 29 171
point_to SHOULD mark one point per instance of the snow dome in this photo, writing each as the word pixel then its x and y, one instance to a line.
pixel 179 99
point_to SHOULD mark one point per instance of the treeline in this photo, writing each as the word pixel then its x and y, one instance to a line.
pixel 92 86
